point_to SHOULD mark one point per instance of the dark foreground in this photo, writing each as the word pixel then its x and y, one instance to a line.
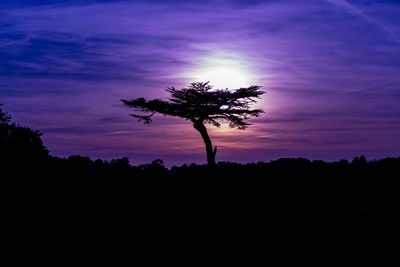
pixel 77 211
pixel 285 187
pixel 86 202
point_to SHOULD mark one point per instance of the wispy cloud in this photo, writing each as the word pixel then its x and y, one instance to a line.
pixel 65 65
pixel 357 11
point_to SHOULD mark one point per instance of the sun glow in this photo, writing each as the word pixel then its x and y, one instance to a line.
pixel 223 71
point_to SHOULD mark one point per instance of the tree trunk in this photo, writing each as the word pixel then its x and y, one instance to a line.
pixel 199 126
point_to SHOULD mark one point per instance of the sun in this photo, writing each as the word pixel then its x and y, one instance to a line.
pixel 224 77
pixel 223 71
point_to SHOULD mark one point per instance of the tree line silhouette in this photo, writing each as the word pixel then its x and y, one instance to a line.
pixel 81 204
pixel 284 187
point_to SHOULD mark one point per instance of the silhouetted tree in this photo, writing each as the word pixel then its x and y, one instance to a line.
pixel 155 169
pixel 202 105
pixel 5 118
pixel 19 143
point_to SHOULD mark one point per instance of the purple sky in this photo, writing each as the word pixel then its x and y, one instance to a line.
pixel 331 70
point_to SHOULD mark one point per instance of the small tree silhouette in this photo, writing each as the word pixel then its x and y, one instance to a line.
pixel 19 144
pixel 200 104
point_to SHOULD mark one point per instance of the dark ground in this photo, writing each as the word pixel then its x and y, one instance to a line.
pixel 78 211
pixel 288 202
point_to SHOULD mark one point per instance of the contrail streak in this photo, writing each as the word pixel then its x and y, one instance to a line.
pixel 356 11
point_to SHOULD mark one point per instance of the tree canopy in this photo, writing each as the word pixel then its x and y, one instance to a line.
pixel 200 103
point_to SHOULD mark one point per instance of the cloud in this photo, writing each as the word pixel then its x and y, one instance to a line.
pixel 356 11
pixel 66 64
